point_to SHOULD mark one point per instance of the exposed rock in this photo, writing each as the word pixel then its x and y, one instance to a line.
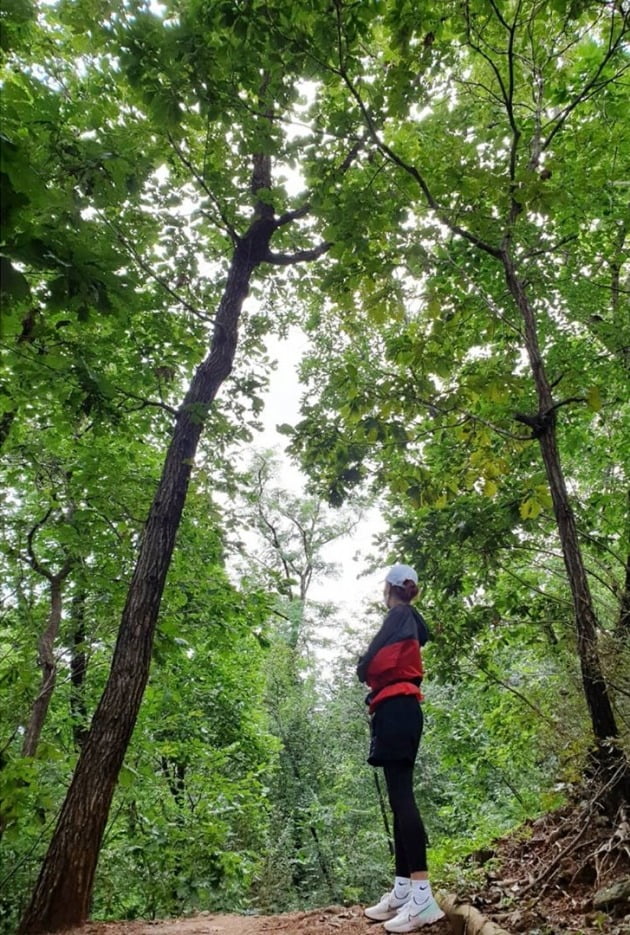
pixel 613 895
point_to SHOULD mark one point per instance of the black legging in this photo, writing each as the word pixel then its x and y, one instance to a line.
pixel 410 844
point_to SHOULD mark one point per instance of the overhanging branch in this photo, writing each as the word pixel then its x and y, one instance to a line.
pixel 300 256
pixel 289 216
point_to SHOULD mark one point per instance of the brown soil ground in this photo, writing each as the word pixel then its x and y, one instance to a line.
pixel 334 920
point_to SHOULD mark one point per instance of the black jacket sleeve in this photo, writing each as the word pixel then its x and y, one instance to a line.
pixel 384 636
pixel 424 634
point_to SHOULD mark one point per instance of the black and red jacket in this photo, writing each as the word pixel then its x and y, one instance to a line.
pixel 392 664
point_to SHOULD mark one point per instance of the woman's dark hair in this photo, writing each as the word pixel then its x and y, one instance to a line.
pixel 406 591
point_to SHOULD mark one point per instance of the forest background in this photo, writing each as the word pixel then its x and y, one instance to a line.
pixel 455 251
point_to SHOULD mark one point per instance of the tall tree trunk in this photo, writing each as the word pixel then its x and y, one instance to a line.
pixel 61 898
pixel 608 754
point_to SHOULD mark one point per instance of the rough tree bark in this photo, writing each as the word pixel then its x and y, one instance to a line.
pixel 61 898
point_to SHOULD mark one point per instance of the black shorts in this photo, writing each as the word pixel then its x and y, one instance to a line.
pixel 396 728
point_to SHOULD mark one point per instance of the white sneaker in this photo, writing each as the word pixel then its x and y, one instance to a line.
pixel 413 916
pixel 387 907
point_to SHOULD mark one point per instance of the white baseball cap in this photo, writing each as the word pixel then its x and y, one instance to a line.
pixel 398 574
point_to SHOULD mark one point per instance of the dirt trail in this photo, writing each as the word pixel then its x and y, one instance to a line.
pixel 334 920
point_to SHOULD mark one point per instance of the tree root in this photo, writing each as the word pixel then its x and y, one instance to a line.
pixel 466 920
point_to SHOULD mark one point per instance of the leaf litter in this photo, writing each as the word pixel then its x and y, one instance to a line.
pixel 566 873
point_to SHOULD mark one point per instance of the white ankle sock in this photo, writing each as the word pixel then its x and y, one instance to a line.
pixel 421 891
pixel 402 887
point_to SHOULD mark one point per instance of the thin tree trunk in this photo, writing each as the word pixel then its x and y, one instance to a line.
pixel 61 898
pixel 78 669
pixel 623 623
pixel 605 730
pixel 594 683
pixel 48 666
pixel 175 774
pixel 46 660
pixel 622 630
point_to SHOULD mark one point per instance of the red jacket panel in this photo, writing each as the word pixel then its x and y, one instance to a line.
pixel 392 664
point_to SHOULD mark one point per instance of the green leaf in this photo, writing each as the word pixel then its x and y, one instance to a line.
pixel 594 399
pixel 530 508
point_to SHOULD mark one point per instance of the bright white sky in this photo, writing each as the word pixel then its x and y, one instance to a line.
pixel 349 553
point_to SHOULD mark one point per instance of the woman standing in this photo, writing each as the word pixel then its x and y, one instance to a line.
pixel 392 668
